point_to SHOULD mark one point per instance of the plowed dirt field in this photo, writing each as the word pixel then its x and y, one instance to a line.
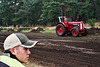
pixel 67 51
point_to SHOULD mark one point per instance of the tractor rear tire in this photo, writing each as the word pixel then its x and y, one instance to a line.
pixel 60 30
pixel 75 32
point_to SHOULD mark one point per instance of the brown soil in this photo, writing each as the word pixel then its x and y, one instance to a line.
pixel 67 51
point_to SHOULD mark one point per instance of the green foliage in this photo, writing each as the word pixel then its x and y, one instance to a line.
pixel 92 22
pixel 49 12
pixel 43 12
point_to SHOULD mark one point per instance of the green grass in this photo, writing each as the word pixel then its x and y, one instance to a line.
pixel 40 31
pixel 30 30
pixel 4 30
pixel 25 31
pixel 47 31
pixel 16 30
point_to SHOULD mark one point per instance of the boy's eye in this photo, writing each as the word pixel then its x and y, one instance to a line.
pixel 25 48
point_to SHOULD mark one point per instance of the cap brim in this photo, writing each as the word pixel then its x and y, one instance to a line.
pixel 29 44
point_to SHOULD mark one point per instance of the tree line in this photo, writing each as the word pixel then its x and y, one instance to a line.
pixel 46 12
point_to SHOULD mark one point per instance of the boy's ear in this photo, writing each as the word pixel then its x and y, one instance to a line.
pixel 12 50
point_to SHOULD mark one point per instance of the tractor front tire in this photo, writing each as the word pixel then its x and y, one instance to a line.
pixel 75 32
pixel 60 30
pixel 85 33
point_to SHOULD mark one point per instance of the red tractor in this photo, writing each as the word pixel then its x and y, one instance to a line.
pixel 67 26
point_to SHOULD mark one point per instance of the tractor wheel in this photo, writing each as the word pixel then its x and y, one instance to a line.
pixel 85 33
pixel 60 30
pixel 75 32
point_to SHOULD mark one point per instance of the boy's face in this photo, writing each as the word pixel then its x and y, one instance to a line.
pixel 22 54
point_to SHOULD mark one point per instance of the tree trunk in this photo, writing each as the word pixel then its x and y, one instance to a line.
pixel 94 8
pixel 27 21
pixel 61 10
pixel 7 22
pixel 87 12
pixel 15 5
pixel 65 11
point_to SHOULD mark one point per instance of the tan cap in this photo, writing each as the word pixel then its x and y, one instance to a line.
pixel 18 39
